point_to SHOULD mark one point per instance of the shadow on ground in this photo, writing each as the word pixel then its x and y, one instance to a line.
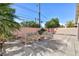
pixel 41 48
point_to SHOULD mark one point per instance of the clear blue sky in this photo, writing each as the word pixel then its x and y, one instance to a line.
pixel 64 11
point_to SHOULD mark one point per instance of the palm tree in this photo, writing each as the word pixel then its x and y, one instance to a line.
pixel 7 23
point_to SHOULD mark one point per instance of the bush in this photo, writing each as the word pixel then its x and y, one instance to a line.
pixel 41 31
pixel 70 24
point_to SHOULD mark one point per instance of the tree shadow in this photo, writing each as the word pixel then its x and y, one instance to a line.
pixel 12 53
pixel 44 46
pixel 39 48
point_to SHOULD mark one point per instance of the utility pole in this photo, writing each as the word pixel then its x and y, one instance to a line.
pixel 39 15
pixel 35 20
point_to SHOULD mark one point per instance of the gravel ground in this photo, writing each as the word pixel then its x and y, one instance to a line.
pixel 59 45
pixel 44 48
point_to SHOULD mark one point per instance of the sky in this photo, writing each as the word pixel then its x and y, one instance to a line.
pixel 29 11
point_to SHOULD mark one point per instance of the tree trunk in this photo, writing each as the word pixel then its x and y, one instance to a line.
pixel 1 48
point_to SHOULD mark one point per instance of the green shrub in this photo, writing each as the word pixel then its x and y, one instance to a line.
pixel 41 31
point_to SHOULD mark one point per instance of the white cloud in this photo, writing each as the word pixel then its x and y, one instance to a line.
pixel 17 20
pixel 62 24
pixel 43 25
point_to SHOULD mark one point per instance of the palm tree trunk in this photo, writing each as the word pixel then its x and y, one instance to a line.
pixel 1 46
pixel 1 49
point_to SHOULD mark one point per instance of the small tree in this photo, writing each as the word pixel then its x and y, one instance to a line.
pixel 70 24
pixel 54 22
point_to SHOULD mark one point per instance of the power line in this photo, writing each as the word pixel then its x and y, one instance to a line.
pixel 18 17
pixel 25 8
pixel 23 17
